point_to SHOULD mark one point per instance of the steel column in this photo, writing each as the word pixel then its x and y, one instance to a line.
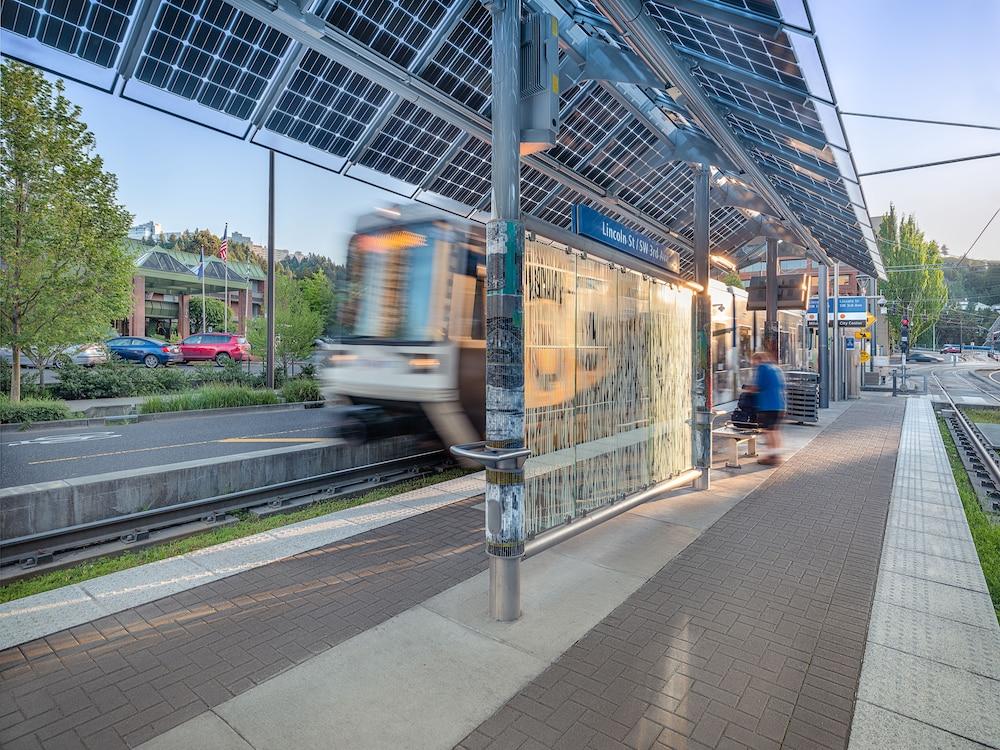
pixel 505 532
pixel 771 299
pixel 823 338
pixel 270 269
pixel 701 319
pixel 835 355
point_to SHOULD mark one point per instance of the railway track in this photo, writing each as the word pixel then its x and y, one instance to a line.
pixel 30 555
pixel 978 456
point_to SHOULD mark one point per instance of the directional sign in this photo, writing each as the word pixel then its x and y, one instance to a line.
pixel 862 335
pixel 81 437
pixel 851 311
pixel 848 344
pixel 865 356
pixel 869 320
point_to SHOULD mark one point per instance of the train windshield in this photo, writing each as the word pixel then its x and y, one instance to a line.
pixel 392 284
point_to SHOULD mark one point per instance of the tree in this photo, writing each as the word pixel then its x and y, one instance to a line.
pixel 65 268
pixel 917 288
pixel 318 294
pixel 215 313
pixel 732 278
pixel 296 326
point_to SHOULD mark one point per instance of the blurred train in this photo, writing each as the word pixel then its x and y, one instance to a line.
pixel 412 353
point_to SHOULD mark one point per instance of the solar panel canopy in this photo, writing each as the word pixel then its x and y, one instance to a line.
pixel 397 93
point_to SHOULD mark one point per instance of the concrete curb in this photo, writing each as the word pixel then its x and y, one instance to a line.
pixel 37 508
pixel 17 427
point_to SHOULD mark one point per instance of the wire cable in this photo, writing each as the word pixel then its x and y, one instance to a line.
pixel 922 121
pixel 962 259
pixel 930 164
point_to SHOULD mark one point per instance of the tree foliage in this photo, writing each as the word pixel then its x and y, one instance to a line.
pixel 318 293
pixel 919 291
pixel 205 240
pixel 65 269
pixel 215 314
pixel 296 326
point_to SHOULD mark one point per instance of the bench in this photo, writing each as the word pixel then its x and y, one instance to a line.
pixel 737 438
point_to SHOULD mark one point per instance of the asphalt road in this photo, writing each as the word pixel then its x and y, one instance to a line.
pixel 975 383
pixel 44 454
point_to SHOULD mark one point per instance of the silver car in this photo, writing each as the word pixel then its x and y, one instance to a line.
pixel 78 354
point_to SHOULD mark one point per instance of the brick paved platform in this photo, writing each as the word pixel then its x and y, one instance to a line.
pixel 752 636
pixel 123 679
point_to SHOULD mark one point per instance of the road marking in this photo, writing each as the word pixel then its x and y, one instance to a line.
pixel 274 440
pixel 60 439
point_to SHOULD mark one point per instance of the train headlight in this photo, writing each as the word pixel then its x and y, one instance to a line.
pixel 340 358
pixel 423 364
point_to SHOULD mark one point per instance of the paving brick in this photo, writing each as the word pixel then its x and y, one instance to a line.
pixel 133 675
pixel 768 606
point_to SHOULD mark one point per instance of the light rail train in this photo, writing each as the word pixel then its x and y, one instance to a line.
pixel 412 356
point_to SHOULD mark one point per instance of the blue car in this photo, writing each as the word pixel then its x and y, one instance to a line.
pixel 151 352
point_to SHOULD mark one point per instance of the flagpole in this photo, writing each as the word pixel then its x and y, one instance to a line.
pixel 202 289
pixel 225 263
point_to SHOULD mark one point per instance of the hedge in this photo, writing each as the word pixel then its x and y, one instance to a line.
pixel 32 410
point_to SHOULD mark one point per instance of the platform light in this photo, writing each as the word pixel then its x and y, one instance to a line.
pixel 695 286
pixel 722 261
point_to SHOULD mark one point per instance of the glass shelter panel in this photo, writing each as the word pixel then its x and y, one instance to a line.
pixel 607 383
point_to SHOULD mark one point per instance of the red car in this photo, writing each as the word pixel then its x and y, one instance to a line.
pixel 222 347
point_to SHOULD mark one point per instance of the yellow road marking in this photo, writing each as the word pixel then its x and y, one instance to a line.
pixel 274 440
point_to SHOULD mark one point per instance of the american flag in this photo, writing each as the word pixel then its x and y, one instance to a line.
pixel 224 245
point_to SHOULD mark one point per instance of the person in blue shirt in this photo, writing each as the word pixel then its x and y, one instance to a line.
pixel 769 386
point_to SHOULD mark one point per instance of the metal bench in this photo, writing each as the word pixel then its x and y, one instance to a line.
pixel 737 438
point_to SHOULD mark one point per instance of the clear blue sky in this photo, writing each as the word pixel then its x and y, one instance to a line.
pixel 903 57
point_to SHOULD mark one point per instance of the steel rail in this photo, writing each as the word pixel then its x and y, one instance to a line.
pixel 31 549
pixel 986 454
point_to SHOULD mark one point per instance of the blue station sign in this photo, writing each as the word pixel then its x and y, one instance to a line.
pixel 589 223
pixel 852 312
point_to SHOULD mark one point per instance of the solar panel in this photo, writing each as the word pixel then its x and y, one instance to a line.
pixel 586 124
pixel 461 68
pixel 763 7
pixel 770 58
pixel 397 29
pixel 92 30
pixel 208 51
pixel 782 144
pixel 466 178
pixel 799 115
pixel 326 105
pixel 535 187
pixel 410 144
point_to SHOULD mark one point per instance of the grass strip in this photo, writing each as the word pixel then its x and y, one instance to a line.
pixel 209 397
pixel 985 532
pixel 248 524
pixel 983 416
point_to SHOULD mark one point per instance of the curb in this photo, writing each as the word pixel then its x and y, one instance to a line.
pixel 17 427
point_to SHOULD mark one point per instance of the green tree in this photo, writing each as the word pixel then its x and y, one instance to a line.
pixel 65 268
pixel 296 326
pixel 215 314
pixel 917 288
pixel 318 293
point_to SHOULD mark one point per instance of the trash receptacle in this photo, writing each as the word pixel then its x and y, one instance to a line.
pixel 801 396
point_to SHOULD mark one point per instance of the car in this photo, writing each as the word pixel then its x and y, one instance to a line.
pixel 150 352
pixel 951 349
pixel 922 357
pixel 79 354
pixel 220 347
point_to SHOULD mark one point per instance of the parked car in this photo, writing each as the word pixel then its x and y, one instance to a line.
pixel 951 349
pixel 79 354
pixel 151 352
pixel 923 357
pixel 221 347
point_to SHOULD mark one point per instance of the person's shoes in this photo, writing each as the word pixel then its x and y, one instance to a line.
pixel 770 460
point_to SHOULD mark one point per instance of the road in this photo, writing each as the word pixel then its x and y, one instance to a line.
pixel 44 454
pixel 974 383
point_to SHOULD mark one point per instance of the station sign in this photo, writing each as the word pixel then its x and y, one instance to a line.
pixel 590 223
pixel 852 312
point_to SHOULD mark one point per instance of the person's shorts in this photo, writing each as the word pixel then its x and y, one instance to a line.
pixel 769 419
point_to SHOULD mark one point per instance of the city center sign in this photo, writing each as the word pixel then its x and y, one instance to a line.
pixel 852 312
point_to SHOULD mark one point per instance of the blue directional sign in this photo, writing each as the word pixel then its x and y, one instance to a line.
pixel 607 231
pixel 852 312
pixel 848 343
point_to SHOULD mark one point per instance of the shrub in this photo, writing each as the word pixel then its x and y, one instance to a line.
pixel 209 397
pixel 301 389
pixel 32 410
pixel 29 381
pixel 117 379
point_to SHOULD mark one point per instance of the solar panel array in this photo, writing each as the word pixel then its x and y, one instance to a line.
pixel 281 83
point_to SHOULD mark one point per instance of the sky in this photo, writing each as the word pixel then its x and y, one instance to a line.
pixel 914 58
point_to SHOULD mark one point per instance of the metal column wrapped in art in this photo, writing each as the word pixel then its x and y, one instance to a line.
pixel 607 383
pixel 504 385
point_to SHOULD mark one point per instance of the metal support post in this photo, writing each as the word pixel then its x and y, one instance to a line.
pixel 823 338
pixel 270 270
pixel 835 354
pixel 771 295
pixel 701 375
pixel 505 532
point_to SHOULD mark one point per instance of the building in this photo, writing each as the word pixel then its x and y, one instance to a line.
pixel 145 232
pixel 240 239
pixel 850 283
pixel 165 280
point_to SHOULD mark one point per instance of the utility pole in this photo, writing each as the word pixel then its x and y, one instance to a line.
pixel 269 376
